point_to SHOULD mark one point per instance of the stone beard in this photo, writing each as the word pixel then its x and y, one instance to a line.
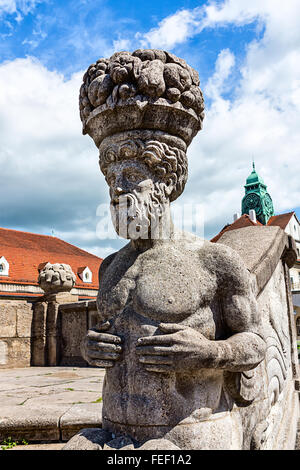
pixel 137 214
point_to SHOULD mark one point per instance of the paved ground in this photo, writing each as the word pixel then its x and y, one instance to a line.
pixel 48 403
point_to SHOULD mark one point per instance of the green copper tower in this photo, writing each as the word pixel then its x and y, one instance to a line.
pixel 257 198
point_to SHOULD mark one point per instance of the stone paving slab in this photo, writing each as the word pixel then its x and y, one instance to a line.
pixel 54 446
pixel 78 416
pixel 49 403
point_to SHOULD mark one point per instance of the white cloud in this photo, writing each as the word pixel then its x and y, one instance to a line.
pixel 101 251
pixel 7 6
pixel 122 45
pixel 50 177
pixel 260 120
pixel 172 30
pixel 50 172
pixel 224 65
pixel 18 7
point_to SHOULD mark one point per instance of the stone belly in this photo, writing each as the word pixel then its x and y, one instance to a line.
pixel 135 396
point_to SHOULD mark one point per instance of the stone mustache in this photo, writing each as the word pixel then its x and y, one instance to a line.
pixel 179 325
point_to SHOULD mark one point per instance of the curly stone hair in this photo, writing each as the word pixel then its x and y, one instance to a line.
pixel 168 162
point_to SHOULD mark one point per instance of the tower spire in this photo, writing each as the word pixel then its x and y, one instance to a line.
pixel 257 198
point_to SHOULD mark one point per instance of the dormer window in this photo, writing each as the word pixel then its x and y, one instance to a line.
pixel 4 267
pixel 85 274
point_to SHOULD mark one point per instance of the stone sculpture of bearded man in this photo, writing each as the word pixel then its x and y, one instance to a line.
pixel 178 322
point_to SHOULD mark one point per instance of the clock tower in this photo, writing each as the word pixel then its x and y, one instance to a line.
pixel 257 198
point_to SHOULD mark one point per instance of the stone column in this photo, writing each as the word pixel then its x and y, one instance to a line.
pixel 38 345
pixel 53 325
pixel 56 280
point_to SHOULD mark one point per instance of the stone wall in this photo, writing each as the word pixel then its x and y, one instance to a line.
pixel 75 320
pixel 271 421
pixel 15 333
pixel 47 332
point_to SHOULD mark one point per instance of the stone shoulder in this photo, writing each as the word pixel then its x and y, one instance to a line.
pixel 105 263
pixel 109 259
pixel 227 265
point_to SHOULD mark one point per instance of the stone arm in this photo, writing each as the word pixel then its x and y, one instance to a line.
pixel 244 348
pixel 241 347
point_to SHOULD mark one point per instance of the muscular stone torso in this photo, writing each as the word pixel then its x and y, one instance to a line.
pixel 138 291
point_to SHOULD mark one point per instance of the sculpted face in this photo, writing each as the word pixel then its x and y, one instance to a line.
pixel 145 171
pixel 137 202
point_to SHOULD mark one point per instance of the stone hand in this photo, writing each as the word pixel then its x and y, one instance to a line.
pixel 101 349
pixel 181 348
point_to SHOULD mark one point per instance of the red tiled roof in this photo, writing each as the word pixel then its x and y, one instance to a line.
pixel 26 252
pixel 241 222
pixel 280 220
pixel 81 269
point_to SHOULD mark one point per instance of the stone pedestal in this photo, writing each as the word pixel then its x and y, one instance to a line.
pixel 46 338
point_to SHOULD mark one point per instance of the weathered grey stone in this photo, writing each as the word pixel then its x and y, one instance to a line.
pixel 260 249
pixel 32 425
pixel 58 277
pixel 16 352
pixel 156 90
pixel 45 446
pixel 8 319
pixel 92 315
pixel 24 320
pixel 77 416
pixel 192 334
pixel 88 439
pixel 120 442
pixel 38 402
pixel 274 421
pixel 3 353
pixel 159 444
pixel 73 327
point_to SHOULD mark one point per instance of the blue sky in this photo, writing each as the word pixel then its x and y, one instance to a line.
pixel 67 36
pixel 247 55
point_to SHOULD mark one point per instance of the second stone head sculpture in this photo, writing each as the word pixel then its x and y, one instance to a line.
pixel 142 111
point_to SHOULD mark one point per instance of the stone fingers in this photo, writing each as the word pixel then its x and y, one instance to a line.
pixel 106 347
pixel 103 355
pixel 160 368
pixel 156 359
pixel 104 337
pixel 101 363
pixel 156 340
pixel 102 326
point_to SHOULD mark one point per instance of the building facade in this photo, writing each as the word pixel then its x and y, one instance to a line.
pixel 23 255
